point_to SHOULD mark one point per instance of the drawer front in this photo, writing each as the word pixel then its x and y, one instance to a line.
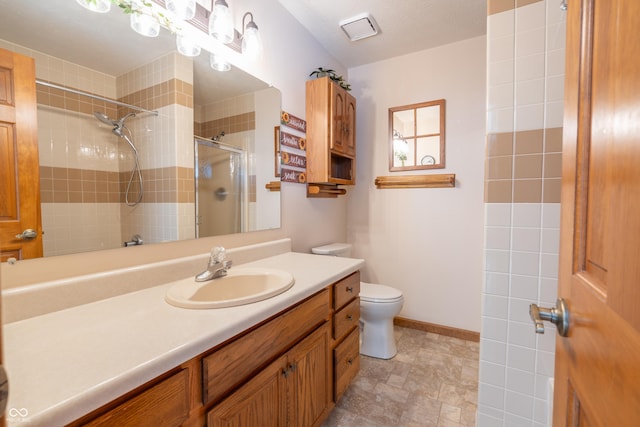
pixel 232 364
pixel 165 404
pixel 346 290
pixel 346 359
pixel 345 319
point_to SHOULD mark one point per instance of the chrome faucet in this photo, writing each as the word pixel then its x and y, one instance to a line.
pixel 217 267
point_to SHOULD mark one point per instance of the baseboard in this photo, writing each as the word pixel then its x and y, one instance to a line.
pixel 437 329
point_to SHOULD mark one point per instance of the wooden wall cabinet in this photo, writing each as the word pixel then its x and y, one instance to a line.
pixel 331 133
pixel 287 371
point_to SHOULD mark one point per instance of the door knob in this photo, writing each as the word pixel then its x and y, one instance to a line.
pixel 28 234
pixel 558 315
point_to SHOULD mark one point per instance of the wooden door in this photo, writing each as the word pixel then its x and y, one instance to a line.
pixel 309 390
pixel 258 403
pixel 597 380
pixel 19 169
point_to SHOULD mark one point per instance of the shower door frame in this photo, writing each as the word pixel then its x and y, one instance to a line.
pixel 243 180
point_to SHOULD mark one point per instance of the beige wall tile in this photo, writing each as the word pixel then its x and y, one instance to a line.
pixel 527 191
pixel 497 6
pixel 498 191
pixel 500 167
pixel 500 144
pixel 529 142
pixel 553 165
pixel 552 187
pixel 553 140
pixel 528 166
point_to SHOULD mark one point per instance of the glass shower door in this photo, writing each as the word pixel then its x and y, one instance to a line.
pixel 220 188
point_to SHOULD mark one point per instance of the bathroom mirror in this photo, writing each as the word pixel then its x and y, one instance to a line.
pixel 417 136
pixel 70 44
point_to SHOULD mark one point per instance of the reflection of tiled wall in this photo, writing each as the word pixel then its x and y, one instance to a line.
pixel 85 168
pixel 522 211
pixel 231 124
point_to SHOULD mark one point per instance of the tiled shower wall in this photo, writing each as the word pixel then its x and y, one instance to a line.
pixel 526 40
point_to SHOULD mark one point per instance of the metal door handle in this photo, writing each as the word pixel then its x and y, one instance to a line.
pixel 558 315
pixel 28 234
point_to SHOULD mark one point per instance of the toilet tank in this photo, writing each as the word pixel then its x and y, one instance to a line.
pixel 334 249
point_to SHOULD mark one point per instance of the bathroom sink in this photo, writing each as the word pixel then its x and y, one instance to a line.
pixel 240 286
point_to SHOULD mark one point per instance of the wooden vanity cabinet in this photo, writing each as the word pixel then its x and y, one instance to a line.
pixel 331 133
pixel 286 371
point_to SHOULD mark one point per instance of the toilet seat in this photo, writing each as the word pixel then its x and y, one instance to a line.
pixel 381 294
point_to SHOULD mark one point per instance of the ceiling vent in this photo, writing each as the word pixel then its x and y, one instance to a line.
pixel 360 27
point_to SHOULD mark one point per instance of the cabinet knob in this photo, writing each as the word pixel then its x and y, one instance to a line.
pixel 350 290
pixel 349 361
pixel 349 317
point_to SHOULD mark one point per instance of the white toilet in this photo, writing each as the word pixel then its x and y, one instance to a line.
pixel 379 304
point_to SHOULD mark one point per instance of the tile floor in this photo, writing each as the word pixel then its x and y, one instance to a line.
pixel 432 381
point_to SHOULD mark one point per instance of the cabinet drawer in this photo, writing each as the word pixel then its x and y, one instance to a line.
pixel 346 359
pixel 235 362
pixel 164 404
pixel 345 319
pixel 346 290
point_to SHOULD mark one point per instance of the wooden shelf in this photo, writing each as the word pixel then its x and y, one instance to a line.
pixel 273 186
pixel 416 181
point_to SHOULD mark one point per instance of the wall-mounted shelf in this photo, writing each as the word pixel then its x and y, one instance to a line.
pixel 416 181
pixel 324 190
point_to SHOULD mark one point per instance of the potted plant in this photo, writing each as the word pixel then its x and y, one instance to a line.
pixel 324 72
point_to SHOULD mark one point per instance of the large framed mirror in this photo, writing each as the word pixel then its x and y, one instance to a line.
pixel 417 136
pixel 100 54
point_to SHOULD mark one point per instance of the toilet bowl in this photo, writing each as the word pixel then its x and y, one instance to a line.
pixel 379 304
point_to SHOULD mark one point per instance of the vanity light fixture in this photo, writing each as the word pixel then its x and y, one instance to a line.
pixel 182 9
pixel 221 22
pixel 251 40
pixel 101 6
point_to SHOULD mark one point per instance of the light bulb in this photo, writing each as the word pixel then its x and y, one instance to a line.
pixel 187 46
pixel 101 6
pixel 221 22
pixel 182 9
pixel 218 63
pixel 252 42
pixel 144 24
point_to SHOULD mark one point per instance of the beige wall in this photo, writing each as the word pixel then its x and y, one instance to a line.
pixel 426 242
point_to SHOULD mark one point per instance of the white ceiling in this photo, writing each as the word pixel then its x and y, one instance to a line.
pixel 406 26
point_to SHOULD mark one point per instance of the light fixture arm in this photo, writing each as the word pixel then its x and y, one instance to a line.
pixel 250 24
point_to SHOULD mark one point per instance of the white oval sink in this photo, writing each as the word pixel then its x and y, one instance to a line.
pixel 240 286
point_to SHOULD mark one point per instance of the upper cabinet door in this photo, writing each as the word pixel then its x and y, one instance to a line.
pixel 342 124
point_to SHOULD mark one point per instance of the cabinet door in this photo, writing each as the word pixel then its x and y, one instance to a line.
pixel 349 125
pixel 259 403
pixel 309 390
pixel 337 119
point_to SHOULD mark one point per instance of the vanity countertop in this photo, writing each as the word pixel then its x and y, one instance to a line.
pixel 64 364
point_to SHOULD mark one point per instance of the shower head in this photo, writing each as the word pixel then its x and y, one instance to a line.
pixel 104 118
pixel 117 124
pixel 218 137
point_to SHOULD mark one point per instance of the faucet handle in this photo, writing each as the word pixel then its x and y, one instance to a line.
pixel 218 254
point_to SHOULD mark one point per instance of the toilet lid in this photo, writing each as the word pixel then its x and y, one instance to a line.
pixel 379 293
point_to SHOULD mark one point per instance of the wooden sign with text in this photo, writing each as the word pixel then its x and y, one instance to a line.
pixel 293 122
pixel 295 160
pixel 293 141
pixel 290 175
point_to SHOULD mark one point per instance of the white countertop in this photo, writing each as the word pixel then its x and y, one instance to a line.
pixel 65 364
